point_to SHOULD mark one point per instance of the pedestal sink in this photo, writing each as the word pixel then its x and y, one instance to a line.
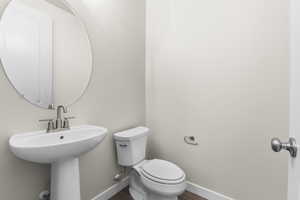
pixel 61 150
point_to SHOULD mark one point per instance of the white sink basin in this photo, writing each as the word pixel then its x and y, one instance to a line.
pixel 42 147
pixel 61 149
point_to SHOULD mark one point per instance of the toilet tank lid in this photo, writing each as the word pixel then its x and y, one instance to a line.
pixel 131 134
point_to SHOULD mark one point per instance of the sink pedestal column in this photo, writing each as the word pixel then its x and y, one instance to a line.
pixel 65 180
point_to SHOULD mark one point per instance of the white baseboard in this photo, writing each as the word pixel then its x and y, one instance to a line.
pixel 191 187
pixel 110 192
pixel 206 193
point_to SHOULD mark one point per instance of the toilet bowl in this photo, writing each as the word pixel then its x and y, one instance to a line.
pixel 149 179
pixel 156 179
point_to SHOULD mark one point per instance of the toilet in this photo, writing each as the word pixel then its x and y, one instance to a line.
pixel 149 179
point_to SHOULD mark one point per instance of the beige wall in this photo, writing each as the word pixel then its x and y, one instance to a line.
pixel 115 100
pixel 215 69
pixel 218 70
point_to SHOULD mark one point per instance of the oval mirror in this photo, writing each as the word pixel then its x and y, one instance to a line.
pixel 45 51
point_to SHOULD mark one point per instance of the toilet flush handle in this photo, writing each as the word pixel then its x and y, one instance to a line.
pixel 123 145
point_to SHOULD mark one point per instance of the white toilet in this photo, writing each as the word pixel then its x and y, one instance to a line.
pixel 149 179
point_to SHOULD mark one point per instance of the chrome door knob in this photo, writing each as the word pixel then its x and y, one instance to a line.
pixel 276 145
pixel 290 146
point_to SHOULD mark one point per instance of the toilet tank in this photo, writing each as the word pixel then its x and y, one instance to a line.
pixel 131 145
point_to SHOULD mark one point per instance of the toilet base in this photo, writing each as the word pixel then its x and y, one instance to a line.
pixel 140 196
pixel 139 192
pixel 157 197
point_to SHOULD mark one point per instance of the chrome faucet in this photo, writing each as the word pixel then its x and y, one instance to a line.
pixel 61 123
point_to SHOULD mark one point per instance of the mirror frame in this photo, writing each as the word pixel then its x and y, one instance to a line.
pixel 83 24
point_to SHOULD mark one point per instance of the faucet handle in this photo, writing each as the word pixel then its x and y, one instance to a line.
pixel 46 120
pixel 67 122
pixel 50 124
pixel 72 117
pixel 51 107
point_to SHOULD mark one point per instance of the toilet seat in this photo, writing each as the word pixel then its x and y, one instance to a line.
pixel 162 171
pixel 163 179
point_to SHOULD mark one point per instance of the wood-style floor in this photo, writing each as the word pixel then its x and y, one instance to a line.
pixel 124 195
